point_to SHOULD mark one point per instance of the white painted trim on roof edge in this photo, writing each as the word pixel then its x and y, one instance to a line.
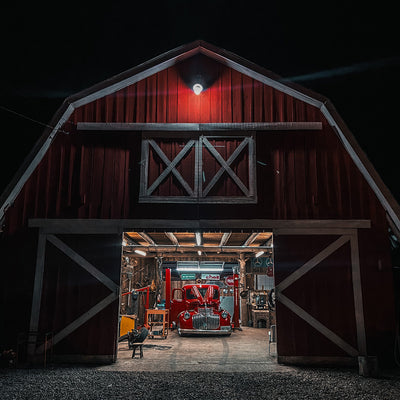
pixel 232 64
pixel 361 166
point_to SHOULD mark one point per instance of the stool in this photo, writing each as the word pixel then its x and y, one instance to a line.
pixel 135 346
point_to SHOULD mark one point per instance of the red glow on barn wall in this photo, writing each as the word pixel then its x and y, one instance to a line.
pixel 168 97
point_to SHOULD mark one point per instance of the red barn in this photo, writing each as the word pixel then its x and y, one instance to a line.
pixel 250 154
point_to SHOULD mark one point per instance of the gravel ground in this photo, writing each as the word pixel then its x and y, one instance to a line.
pixel 91 383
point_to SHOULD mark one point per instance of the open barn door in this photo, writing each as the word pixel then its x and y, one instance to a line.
pixel 319 306
pixel 76 296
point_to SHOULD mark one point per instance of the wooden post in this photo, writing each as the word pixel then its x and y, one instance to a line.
pixel 242 274
pixel 37 294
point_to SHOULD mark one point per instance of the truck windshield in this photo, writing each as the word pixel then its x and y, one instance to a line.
pixel 190 295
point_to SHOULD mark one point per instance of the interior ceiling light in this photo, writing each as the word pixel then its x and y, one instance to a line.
pixel 197 88
pixel 199 252
pixel 198 238
pixel 141 252
pixel 260 253
pixel 200 267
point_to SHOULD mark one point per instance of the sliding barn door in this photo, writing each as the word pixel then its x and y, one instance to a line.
pixel 319 301
pixel 76 295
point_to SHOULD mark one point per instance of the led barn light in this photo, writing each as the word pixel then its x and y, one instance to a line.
pixel 198 238
pixel 197 88
pixel 260 253
pixel 141 252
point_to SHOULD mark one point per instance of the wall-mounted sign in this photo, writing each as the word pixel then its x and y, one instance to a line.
pixel 229 280
pixel 261 262
pixel 188 277
pixel 210 277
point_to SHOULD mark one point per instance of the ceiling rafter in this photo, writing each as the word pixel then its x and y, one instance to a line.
pixel 147 238
pixel 172 238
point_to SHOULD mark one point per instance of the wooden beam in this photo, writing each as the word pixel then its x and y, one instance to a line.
pixel 225 166
pixel 147 238
pixel 172 238
pixel 167 162
pixel 357 293
pixel 171 166
pixel 99 226
pixel 225 238
pixel 82 319
pixel 246 126
pixel 184 248
pixel 308 266
pixel 37 293
pixel 83 263
pixel 251 239
pixel 317 325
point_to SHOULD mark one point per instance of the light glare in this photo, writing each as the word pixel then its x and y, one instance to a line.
pixel 197 88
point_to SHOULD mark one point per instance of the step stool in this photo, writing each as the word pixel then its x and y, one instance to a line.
pixel 135 346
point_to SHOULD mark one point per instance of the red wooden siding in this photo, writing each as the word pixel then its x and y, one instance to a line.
pixel 165 97
pixel 69 291
pixel 325 293
pixel 305 174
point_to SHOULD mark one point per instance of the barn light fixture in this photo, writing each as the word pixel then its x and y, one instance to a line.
pixel 199 252
pixel 141 252
pixel 260 253
pixel 198 238
pixel 197 88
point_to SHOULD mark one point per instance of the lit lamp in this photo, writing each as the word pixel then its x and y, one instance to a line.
pixel 197 88
pixel 141 252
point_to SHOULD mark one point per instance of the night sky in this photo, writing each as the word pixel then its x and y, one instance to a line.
pixel 349 53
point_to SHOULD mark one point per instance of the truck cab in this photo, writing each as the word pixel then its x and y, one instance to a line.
pixel 195 309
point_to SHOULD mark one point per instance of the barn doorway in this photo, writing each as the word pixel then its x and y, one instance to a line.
pixel 155 263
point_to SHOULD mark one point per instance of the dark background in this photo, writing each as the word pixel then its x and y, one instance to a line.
pixel 347 52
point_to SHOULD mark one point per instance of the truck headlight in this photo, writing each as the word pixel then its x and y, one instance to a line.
pixel 186 315
pixel 224 314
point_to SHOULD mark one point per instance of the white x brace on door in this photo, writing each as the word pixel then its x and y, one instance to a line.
pixel 201 184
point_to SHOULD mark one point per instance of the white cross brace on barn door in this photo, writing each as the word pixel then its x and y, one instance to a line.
pixel 38 284
pixel 351 237
pixel 226 166
pixel 171 167
pixel 198 193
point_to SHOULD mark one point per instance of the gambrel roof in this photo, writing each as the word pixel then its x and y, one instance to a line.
pixel 230 60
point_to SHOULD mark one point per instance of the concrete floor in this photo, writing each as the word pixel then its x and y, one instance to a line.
pixel 244 351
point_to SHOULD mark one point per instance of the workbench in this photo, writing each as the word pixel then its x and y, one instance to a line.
pixel 157 322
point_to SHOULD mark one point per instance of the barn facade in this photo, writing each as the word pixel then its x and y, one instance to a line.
pixel 141 152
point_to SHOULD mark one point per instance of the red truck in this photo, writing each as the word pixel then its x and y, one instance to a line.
pixel 195 309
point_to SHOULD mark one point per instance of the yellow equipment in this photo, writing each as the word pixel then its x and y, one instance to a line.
pixel 127 323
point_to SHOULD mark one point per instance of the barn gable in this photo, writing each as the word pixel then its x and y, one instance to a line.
pixel 159 92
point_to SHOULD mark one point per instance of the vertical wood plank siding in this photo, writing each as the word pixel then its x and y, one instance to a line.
pixel 89 175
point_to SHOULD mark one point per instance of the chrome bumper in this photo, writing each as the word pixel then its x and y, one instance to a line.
pixel 220 332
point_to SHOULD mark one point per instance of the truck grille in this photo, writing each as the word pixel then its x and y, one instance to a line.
pixel 205 320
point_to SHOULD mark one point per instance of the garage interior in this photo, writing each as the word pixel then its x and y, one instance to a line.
pixel 197 258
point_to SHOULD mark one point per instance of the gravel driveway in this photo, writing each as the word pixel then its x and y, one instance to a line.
pixel 94 383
